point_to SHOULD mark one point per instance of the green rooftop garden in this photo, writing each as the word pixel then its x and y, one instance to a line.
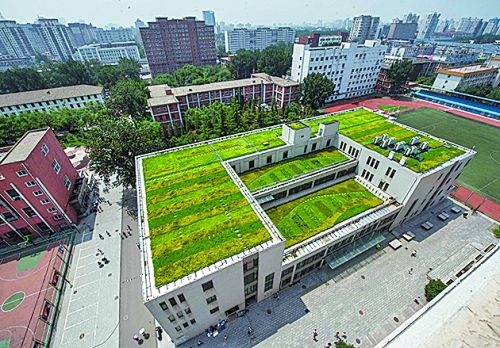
pixel 286 170
pixel 297 125
pixel 362 126
pixel 196 214
pixel 309 215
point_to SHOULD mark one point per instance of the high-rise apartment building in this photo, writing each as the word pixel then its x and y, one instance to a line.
pixel 256 39
pixel 41 192
pixel 402 31
pixel 82 33
pixel 352 67
pixel 56 37
pixel 114 35
pixel 108 53
pixel 13 41
pixel 172 43
pixel 209 18
pixel 492 26
pixel 410 18
pixel 364 28
pixel 428 27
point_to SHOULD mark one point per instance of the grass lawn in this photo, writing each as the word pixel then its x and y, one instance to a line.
pixel 390 108
pixel 302 218
pixel 483 172
pixel 362 126
pixel 196 214
pixel 286 170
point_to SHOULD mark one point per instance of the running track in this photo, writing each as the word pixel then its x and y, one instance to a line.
pixel 374 103
pixel 464 195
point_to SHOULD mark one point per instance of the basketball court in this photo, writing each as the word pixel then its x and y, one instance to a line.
pixel 30 284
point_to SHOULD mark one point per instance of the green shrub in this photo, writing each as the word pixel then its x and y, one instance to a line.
pixel 433 288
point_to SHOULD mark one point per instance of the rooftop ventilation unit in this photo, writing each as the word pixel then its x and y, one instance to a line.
pixel 424 146
pixel 414 140
pixel 384 143
pixel 384 137
pixel 391 141
pixel 391 155
pixel 399 145
pixel 376 140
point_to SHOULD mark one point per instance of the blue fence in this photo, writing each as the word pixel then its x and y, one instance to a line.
pixel 459 103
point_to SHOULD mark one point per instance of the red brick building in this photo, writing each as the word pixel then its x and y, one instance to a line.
pixel 170 44
pixel 167 105
pixel 39 188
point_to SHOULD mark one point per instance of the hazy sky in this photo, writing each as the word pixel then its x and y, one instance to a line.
pixel 125 12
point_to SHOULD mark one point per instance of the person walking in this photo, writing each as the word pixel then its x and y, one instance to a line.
pixel 315 335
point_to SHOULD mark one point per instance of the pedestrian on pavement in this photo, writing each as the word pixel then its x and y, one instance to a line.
pixel 315 335
pixel 129 228
pixel 225 337
pixel 200 342
pixel 410 271
pixel 138 246
pixel 344 335
pixel 337 335
pixel 135 337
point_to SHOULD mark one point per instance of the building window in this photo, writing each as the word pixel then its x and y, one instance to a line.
pixel 178 328
pixel 44 149
pixel 392 173
pixel 269 159
pixel 67 182
pixel 52 210
pixel 214 310
pixel 187 310
pixel 58 217
pixel 181 298
pixel 179 315
pixel 268 284
pixel 37 193
pixel 163 306
pixel 285 155
pixel 192 321
pixel 56 166
pixel 251 164
pixel 22 173
pixel 211 299
pixel 172 301
pixel 14 195
pixel 30 183
pixel 185 324
pixel 328 142
pixel 313 147
pixel 45 201
pixel 207 286
pixel 29 212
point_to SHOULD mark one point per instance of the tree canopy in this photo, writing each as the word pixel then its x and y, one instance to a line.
pixel 315 89
pixel 113 143
pixel 484 91
pixel 274 60
pixel 58 74
pixel 399 74
pixel 193 75
pixel 128 98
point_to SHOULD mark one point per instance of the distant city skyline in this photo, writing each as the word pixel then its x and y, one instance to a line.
pixel 257 12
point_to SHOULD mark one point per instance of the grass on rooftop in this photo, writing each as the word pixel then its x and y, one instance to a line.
pixel 309 215
pixel 286 170
pixel 297 125
pixel 481 174
pixel 362 126
pixel 196 214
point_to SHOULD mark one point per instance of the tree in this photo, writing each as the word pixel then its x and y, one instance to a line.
pixel 343 344
pixel 275 60
pixel 243 64
pixel 67 73
pixel 193 75
pixel 129 69
pixel 426 80
pixel 399 74
pixel 315 89
pixel 128 98
pixel 114 142
pixel 433 288
pixel 21 79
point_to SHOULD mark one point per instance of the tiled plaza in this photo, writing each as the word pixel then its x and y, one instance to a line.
pixel 370 296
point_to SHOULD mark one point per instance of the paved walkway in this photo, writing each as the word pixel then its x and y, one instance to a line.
pixel 368 300
pixel 90 307
pixel 133 314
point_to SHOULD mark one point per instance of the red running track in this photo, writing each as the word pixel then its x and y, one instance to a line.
pixel 374 103
pixel 476 201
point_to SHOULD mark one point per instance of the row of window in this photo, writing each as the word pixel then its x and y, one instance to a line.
pixel 372 162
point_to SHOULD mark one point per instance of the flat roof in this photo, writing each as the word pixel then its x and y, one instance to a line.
pixel 466 70
pixel 42 95
pixel 24 146
pixel 197 213
pixel 159 96
pixel 363 126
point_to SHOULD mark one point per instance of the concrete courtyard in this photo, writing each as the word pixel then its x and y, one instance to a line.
pixel 370 296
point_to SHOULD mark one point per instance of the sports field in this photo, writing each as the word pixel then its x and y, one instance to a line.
pixel 482 175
